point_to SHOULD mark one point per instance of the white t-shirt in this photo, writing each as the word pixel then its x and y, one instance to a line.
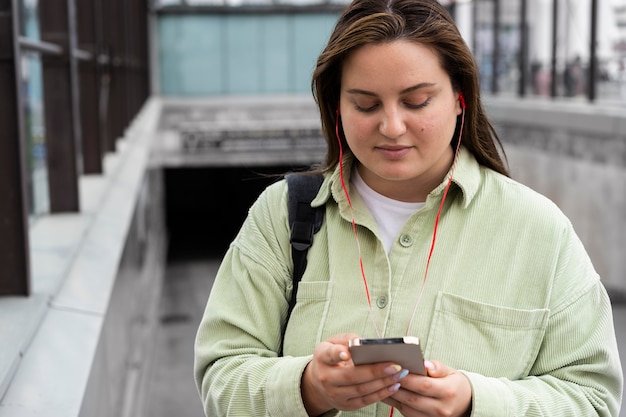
pixel 390 214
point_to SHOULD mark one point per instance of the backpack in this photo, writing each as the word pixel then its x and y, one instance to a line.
pixel 304 222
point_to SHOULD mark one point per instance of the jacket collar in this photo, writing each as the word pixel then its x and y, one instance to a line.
pixel 467 176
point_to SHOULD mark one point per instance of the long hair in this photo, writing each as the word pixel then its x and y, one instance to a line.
pixel 425 22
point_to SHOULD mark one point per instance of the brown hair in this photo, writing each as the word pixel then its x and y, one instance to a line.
pixel 427 23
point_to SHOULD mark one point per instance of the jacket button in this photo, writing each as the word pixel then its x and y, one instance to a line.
pixel 406 240
pixel 381 302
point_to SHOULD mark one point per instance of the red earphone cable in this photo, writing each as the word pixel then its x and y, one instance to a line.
pixel 354 228
pixel 435 228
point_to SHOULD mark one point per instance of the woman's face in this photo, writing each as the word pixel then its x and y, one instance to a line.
pixel 399 112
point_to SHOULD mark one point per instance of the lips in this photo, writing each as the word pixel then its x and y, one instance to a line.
pixel 394 152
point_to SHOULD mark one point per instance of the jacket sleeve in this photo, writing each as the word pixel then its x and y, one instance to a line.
pixel 577 371
pixel 237 368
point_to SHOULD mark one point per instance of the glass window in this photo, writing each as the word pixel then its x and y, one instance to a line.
pixel 611 73
pixel 234 3
pixel 483 42
pixel 539 25
pixel 160 3
pixel 29 15
pixel 34 134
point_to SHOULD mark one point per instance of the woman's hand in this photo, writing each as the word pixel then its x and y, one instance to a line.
pixel 444 392
pixel 331 381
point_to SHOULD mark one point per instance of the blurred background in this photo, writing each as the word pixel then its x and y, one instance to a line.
pixel 136 134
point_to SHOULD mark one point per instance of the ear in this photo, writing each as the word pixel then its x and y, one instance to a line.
pixel 462 101
pixel 460 104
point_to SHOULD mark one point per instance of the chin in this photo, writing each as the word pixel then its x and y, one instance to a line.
pixel 399 176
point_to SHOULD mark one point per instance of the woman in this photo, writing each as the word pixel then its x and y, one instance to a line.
pixel 425 235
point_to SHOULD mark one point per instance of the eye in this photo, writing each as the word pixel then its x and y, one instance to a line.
pixel 418 106
pixel 365 107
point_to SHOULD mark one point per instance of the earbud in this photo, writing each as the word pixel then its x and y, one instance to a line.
pixel 462 100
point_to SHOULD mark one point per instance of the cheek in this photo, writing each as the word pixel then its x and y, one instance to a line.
pixel 357 129
pixel 425 127
pixel 435 126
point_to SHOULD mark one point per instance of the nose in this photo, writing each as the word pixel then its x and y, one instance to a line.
pixel 392 125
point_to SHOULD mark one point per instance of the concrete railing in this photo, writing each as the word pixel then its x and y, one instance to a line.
pixel 79 344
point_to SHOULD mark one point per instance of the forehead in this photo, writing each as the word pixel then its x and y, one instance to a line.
pixel 398 60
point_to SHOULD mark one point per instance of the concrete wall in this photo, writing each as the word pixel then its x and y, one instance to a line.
pixel 123 360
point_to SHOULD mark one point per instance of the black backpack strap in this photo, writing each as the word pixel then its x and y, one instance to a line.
pixel 304 222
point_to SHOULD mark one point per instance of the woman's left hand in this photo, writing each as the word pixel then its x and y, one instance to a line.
pixel 444 392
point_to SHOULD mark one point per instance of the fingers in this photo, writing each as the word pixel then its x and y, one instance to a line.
pixel 444 392
pixel 332 380
pixel 334 350
pixel 380 382
pixel 436 369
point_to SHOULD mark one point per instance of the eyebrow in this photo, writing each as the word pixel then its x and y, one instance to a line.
pixel 406 90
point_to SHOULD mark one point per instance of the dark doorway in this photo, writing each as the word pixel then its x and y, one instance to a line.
pixel 205 207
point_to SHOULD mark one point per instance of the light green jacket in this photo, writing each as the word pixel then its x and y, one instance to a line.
pixel 511 299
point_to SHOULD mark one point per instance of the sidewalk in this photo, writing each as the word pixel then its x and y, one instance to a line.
pixel 172 390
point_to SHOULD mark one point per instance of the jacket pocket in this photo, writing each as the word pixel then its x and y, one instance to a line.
pixel 308 317
pixel 487 339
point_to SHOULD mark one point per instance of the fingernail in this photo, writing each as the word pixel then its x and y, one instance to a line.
pixel 394 387
pixel 343 356
pixel 401 375
pixel 393 369
pixel 429 365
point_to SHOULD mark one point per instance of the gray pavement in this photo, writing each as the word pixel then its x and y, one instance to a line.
pixel 171 391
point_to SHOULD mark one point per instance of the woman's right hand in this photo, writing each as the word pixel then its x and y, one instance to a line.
pixel 332 381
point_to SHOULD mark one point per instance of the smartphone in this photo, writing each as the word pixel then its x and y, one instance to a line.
pixel 405 351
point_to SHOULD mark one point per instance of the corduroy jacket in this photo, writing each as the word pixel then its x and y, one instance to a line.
pixel 511 299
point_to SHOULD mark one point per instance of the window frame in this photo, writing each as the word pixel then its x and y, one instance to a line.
pixel 80 54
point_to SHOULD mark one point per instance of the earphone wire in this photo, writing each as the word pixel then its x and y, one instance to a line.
pixel 436 227
pixel 354 229
pixel 434 239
